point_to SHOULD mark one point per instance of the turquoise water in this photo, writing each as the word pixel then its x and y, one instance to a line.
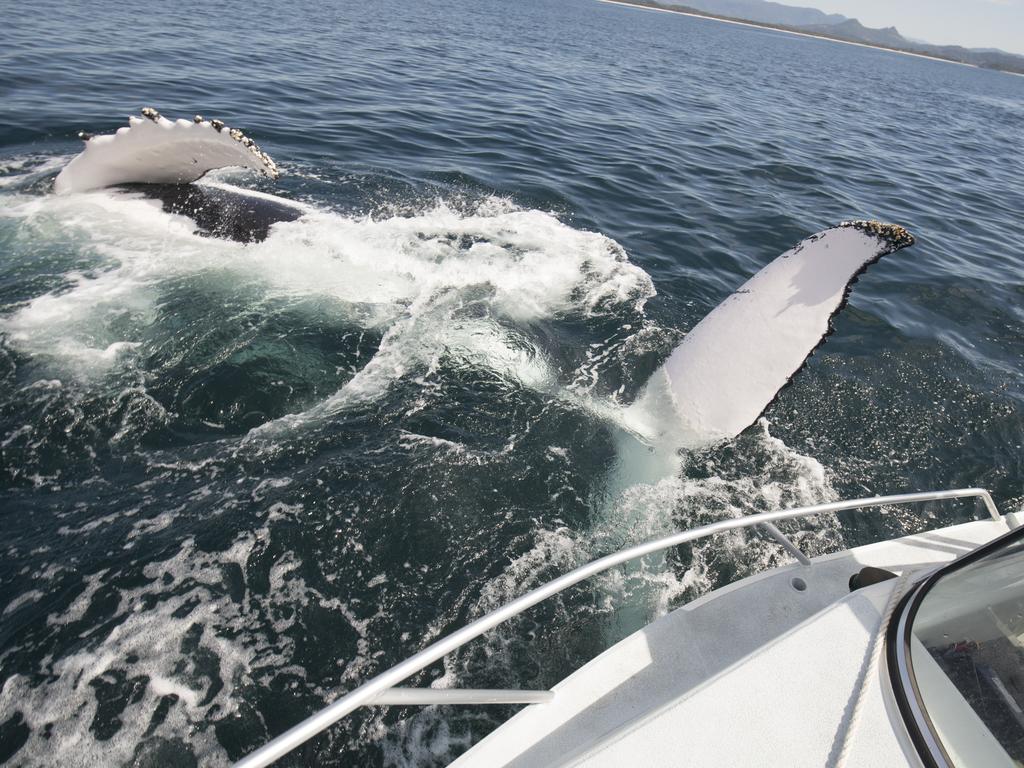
pixel 236 480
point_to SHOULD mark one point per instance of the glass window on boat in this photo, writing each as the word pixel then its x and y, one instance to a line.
pixel 965 642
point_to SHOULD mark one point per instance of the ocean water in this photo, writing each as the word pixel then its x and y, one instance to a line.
pixel 238 480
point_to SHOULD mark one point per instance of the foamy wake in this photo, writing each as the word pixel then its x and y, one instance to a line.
pixel 443 284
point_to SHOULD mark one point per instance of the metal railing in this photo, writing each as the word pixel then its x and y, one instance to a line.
pixel 381 690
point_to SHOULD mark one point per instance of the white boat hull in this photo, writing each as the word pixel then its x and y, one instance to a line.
pixel 757 673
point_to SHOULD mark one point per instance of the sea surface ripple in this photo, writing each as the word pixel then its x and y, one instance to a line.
pixel 238 480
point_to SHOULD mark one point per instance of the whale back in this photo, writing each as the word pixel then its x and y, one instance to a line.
pixel 731 366
pixel 221 210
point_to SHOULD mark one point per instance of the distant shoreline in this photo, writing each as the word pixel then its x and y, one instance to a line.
pixel 789 31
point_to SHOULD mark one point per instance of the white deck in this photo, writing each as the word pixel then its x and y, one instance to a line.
pixel 756 674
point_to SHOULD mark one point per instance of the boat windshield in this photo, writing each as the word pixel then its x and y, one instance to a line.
pixel 963 657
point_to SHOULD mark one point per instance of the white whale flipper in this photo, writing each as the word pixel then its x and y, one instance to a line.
pixel 730 367
pixel 155 150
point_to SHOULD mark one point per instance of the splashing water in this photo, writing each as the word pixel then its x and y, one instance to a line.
pixel 238 480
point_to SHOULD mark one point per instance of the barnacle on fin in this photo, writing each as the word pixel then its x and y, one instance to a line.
pixel 151 113
pixel 893 234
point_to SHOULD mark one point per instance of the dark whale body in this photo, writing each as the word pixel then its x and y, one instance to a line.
pixel 220 212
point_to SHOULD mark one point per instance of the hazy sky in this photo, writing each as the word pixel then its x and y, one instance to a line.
pixel 973 23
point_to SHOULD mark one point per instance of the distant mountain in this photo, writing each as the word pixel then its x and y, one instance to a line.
pixel 854 31
pixel 987 58
pixel 815 22
pixel 766 12
pixel 851 29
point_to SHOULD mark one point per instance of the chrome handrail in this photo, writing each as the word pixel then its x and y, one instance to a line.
pixel 368 692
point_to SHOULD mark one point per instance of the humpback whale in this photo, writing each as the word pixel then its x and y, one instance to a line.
pixel 717 382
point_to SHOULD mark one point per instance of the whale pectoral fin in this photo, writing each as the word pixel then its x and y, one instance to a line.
pixel 730 367
pixel 155 150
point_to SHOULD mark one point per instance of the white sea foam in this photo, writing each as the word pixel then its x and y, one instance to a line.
pixel 26 169
pixel 163 640
pixel 144 645
pixel 656 506
pixel 442 284
pixel 32 596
